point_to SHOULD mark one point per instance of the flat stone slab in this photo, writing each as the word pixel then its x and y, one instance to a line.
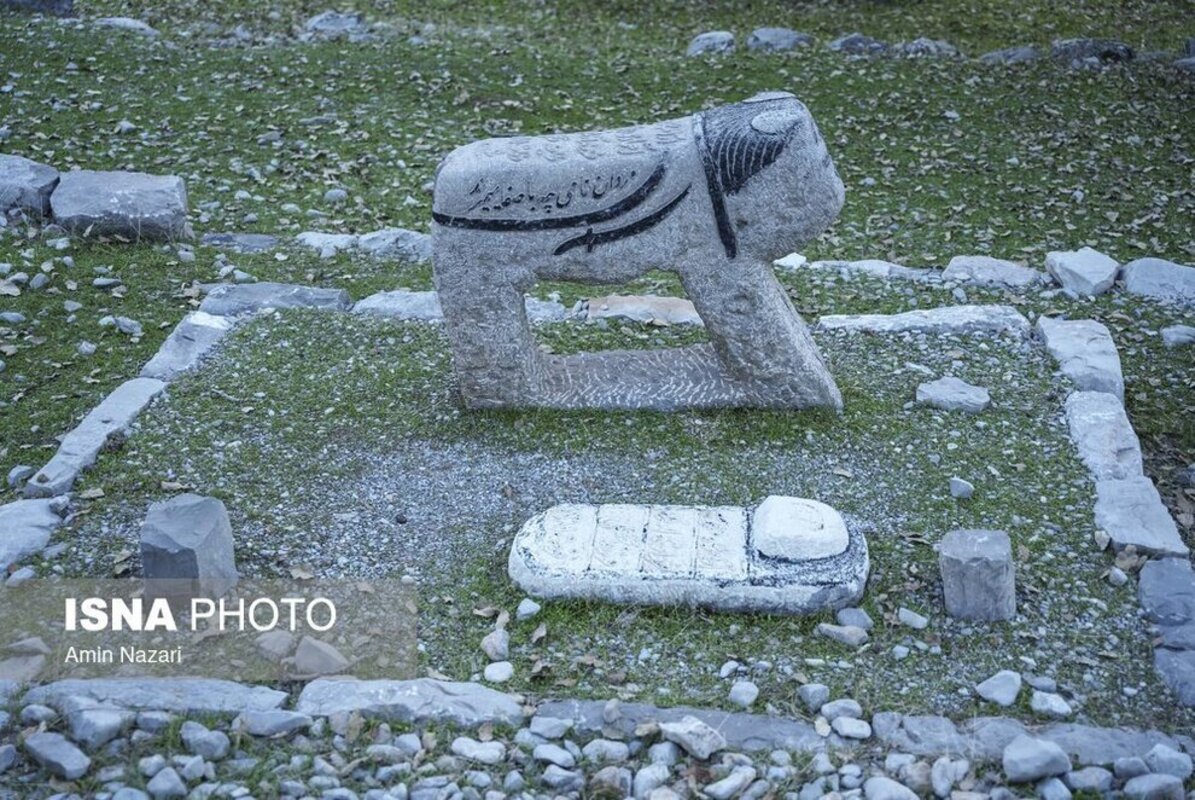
pixel 1101 431
pixel 82 445
pixel 1178 335
pixel 129 205
pixel 395 244
pixel 988 271
pixel 240 242
pixel 771 39
pixel 425 307
pixel 420 701
pixel 1084 272
pixel 1166 591
pixel 945 320
pixel 1161 280
pixel 398 244
pixel 804 560
pixel 868 267
pixel 230 300
pixel 402 305
pixel 1132 513
pixel 984 738
pixel 952 394
pixel 328 244
pixel 125 24
pixel 179 695
pixel 25 529
pixel 194 336
pixel 644 308
pixel 1011 55
pixel 1085 353
pixel 1177 668
pixel 26 185
pixel 711 42
pixel 743 732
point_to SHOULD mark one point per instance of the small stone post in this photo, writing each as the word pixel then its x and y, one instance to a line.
pixel 187 549
pixel 978 579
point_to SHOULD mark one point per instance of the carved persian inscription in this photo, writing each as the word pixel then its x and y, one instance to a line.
pixel 714 197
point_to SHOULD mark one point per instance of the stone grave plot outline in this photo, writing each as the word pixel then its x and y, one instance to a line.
pixel 714 197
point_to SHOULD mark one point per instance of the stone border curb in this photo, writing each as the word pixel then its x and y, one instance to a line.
pixel 1128 507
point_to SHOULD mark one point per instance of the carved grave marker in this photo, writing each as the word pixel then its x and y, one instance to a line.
pixel 714 197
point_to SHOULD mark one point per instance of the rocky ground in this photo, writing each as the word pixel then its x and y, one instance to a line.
pixel 599 749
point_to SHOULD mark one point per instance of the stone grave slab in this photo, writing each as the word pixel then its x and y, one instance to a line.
pixel 787 556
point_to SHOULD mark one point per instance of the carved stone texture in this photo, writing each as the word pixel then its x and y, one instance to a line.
pixel 714 197
pixel 788 556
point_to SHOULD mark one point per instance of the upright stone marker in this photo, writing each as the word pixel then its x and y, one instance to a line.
pixel 186 548
pixel 715 197
pixel 978 579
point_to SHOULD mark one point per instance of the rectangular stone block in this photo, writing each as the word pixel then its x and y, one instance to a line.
pixel 1085 353
pixel 187 548
pixel 82 445
pixel 129 205
pixel 1101 431
pixel 978 577
pixel 178 695
pixel 231 300
pixel 669 548
pixel 721 543
pixel 956 320
pixel 1131 512
pixel 564 538
pixel 618 542
pixel 197 333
